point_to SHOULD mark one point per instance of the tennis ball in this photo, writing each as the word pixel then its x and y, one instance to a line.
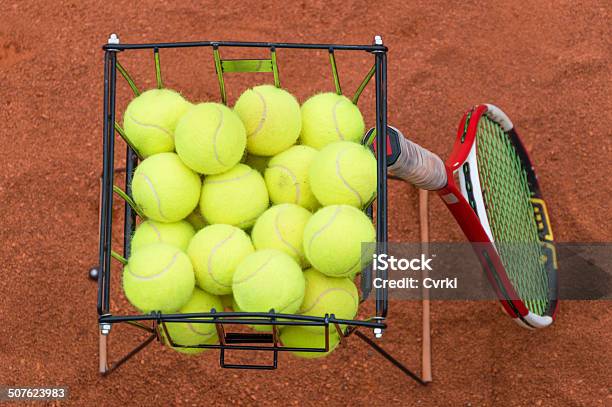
pixel 328 295
pixel 298 337
pixel 236 197
pixel 150 119
pixel 328 117
pixel 271 117
pixel 268 279
pixel 215 252
pixel 257 162
pixel 282 227
pixel 196 219
pixel 333 240
pixel 287 177
pixel 158 277
pixel 177 234
pixel 164 188
pixel 343 173
pixel 188 333
pixel 210 138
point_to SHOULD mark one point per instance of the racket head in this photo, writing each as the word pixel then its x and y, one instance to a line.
pixel 494 194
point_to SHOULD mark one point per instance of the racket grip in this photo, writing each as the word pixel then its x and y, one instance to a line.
pixel 419 166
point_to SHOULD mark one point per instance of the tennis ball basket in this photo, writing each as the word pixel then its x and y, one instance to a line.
pixel 225 323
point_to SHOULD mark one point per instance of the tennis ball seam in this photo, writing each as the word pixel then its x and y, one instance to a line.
pixel 154 126
pixel 217 130
pixel 264 114
pixel 280 235
pixel 157 232
pixel 161 273
pixel 212 253
pixel 322 294
pixel 296 299
pixel 336 124
pixel 350 269
pixel 150 184
pixel 296 183
pixel 344 181
pixel 255 272
pixel 327 224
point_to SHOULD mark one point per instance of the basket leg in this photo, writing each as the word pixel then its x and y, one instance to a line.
pixel 103 356
pixel 106 368
pixel 390 358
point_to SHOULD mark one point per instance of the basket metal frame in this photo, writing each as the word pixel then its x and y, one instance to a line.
pixel 155 323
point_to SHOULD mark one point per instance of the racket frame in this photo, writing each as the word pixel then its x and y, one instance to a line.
pixel 475 225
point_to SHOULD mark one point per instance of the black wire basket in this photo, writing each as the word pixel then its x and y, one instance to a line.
pixel 155 322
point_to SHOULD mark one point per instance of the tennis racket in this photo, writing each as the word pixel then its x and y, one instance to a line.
pixel 490 187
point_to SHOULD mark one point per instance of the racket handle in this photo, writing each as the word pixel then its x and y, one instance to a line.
pixel 418 166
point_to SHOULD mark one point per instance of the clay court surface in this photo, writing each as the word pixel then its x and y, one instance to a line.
pixel 546 64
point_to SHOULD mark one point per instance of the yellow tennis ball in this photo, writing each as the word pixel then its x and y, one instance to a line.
pixel 282 227
pixel 150 120
pixel 333 240
pixel 328 295
pixel 299 337
pixel 328 117
pixel 236 197
pixel 177 234
pixel 164 188
pixel 210 138
pixel 271 117
pixel 343 173
pixel 268 279
pixel 158 277
pixel 193 333
pixel 287 177
pixel 215 252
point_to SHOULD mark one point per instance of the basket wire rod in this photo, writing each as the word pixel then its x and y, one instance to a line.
pixel 334 67
pixel 130 202
pixel 158 76
pixel 275 67
pixel 219 70
pixel 108 185
pixel 256 318
pixel 367 48
pixel 127 78
pixel 381 156
pixel 119 257
pixel 363 84
pixel 102 232
pixel 129 223
pixel 107 180
pixel 121 132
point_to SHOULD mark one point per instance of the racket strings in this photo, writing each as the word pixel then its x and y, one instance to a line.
pixel 507 201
